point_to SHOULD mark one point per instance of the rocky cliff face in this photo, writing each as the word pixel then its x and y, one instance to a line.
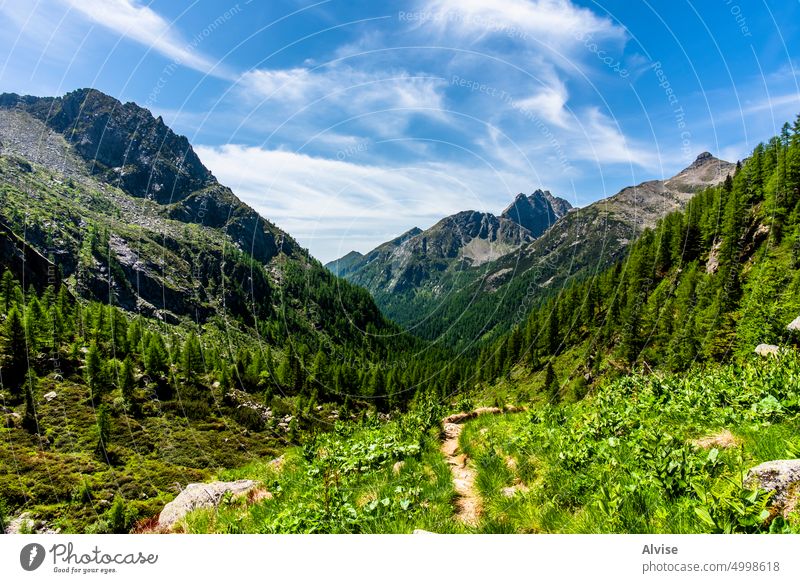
pixel 125 209
pixel 537 212
pixel 417 259
pixel 122 144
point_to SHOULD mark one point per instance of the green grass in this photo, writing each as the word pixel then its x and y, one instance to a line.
pixel 346 481
pixel 622 460
pixel 61 481
pixel 619 461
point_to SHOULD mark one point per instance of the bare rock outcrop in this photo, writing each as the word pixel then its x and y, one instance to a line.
pixel 767 350
pixel 25 523
pixel 196 496
pixel 794 325
pixel 782 478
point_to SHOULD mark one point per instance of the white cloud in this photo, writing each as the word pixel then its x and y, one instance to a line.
pixel 555 22
pixel 549 103
pixel 335 206
pixel 349 90
pixel 306 103
pixel 601 141
pixel 145 26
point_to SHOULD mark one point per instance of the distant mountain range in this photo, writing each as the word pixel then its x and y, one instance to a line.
pixel 466 277
pixel 124 211
pixel 415 262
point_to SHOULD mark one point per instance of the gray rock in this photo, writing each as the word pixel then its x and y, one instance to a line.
pixel 794 326
pixel 50 396
pixel 277 463
pixel 20 523
pixel 201 496
pixel 767 350
pixel 782 477
pixel 25 522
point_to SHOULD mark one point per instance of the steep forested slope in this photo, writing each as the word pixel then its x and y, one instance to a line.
pixel 154 327
pixel 707 283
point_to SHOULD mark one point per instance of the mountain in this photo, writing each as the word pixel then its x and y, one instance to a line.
pixel 536 212
pixel 107 199
pixel 713 280
pixel 125 210
pixel 417 262
pixel 475 304
pixel 345 264
pixel 154 328
pixel 416 258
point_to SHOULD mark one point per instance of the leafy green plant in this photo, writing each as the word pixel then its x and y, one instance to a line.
pixel 3 516
pixel 727 507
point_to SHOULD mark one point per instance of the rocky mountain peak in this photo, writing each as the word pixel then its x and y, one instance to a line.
pixel 536 211
pixel 702 157
pixel 123 144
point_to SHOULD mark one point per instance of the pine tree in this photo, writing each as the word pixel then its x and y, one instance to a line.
pixel 192 363
pixel 15 348
pixel 30 421
pixel 34 324
pixel 551 386
pixel 96 376
pixel 156 360
pixel 318 375
pixel 7 286
pixel 553 332
pixel 287 369
pixel 377 386
pixel 127 381
pixel 103 422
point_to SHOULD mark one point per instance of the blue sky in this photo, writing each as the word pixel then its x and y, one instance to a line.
pixel 347 123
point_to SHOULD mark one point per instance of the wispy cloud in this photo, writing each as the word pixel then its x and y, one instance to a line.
pixel 143 25
pixel 602 141
pixel 334 206
pixel 557 22
pixel 549 103
pixel 334 93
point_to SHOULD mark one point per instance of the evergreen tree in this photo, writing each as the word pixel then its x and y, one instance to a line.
pixel 192 359
pixel 551 385
pixel 377 386
pixel 553 332
pixel 30 421
pixel 8 286
pixel 15 349
pixel 96 376
pixel 156 360
pixel 286 370
pixel 103 422
pixel 127 381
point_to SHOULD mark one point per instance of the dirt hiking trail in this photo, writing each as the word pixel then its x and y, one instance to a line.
pixel 468 504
